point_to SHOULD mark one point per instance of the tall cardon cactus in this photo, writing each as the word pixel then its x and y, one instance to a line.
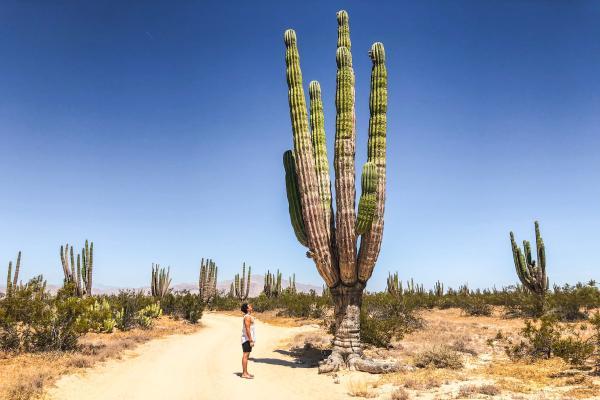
pixel 207 284
pixel 80 274
pixel 532 274
pixel 332 238
pixel 242 285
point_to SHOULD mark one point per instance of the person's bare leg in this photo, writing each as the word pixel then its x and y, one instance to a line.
pixel 245 373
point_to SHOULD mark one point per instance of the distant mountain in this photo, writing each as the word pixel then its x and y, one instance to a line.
pixel 256 287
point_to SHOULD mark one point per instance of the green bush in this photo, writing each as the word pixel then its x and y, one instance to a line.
pixel 549 338
pixel 385 317
pixel 184 305
pixel 30 320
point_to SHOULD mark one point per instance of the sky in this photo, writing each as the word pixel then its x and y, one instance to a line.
pixel 156 129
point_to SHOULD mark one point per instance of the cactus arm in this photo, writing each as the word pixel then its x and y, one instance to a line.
pixel 541 256
pixel 316 231
pixel 317 128
pixel 368 198
pixel 79 292
pixel 248 283
pixel 90 268
pixel 9 279
pixel 73 267
pixel 371 241
pixel 293 196
pixel 17 268
pixel 345 143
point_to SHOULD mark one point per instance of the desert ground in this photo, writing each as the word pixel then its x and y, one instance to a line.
pixel 204 363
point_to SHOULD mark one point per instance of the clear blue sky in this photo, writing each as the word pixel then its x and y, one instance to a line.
pixel 157 128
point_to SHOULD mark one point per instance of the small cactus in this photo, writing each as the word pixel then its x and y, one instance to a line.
pixel 80 274
pixel 161 281
pixel 242 285
pixel 11 281
pixel 394 285
pixel 207 284
pixel 272 285
pixel 292 284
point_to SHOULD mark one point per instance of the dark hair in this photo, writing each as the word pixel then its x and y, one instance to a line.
pixel 245 308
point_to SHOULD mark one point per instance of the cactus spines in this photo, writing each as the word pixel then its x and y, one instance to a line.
pixel 242 284
pixel 319 141
pixel 332 240
pixel 532 274
pixel 368 199
pixel 207 284
pixel 160 282
pixel 79 274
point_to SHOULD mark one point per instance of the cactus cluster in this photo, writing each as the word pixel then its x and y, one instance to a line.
pixel 207 284
pixel 292 284
pixel 161 281
pixel 532 274
pixel 78 274
pixel 396 287
pixel 272 285
pixel 11 281
pixel 438 289
pixel 240 288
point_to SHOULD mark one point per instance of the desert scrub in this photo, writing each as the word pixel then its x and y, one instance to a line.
pixel 31 320
pixel 548 338
pixel 439 357
pixel 385 317
pixel 183 305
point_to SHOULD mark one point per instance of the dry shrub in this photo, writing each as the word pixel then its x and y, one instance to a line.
pixel 439 357
pixel 471 390
pixel 461 346
pixel 400 394
pixel 27 387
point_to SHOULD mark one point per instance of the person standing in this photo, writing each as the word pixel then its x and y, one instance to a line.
pixel 248 338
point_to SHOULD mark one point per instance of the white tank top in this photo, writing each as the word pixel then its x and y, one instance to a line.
pixel 244 338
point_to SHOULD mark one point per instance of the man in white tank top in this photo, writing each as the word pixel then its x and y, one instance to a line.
pixel 248 338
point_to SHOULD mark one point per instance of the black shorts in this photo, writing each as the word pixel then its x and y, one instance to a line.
pixel 246 347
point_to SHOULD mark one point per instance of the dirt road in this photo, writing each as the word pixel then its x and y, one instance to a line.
pixel 204 365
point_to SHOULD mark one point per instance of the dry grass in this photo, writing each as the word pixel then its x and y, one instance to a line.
pixel 358 387
pixel 473 390
pixel 24 376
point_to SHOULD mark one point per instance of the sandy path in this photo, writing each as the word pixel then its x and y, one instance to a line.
pixel 204 365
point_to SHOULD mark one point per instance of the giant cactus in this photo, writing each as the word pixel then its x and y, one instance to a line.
pixel 331 237
pixel 80 274
pixel 160 282
pixel 242 285
pixel 532 274
pixel 207 284
pixel 12 280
